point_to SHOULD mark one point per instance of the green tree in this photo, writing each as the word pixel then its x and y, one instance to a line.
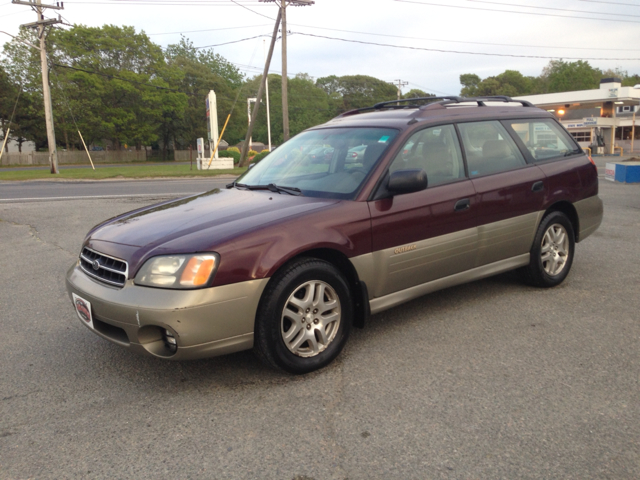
pixel 8 96
pixel 113 81
pixel 309 105
pixel 21 64
pixel 470 83
pixel 356 91
pixel 203 71
pixel 510 83
pixel 561 76
pixel 417 93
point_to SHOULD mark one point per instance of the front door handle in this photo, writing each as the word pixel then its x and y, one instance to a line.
pixel 462 205
pixel 538 186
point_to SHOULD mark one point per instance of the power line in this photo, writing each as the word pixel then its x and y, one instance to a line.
pixel 554 9
pixel 252 11
pixel 210 30
pixel 612 3
pixel 514 11
pixel 465 42
pixel 234 41
pixel 461 52
pixel 515 45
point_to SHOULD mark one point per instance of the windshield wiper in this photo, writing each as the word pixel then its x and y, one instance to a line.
pixel 245 186
pixel 271 187
pixel 279 189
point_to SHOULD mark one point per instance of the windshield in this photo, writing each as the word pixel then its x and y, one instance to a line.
pixel 331 162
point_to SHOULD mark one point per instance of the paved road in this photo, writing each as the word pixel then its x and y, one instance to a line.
pixel 487 380
pixel 58 190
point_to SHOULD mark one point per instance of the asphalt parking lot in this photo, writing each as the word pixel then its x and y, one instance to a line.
pixel 492 379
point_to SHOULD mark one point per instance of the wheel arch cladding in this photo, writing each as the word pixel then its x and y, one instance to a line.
pixel 357 289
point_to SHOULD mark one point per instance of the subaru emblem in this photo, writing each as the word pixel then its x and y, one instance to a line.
pixel 95 264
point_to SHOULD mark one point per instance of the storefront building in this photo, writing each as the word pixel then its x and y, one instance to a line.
pixel 602 119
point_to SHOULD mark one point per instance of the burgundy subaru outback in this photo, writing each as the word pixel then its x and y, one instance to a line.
pixel 302 247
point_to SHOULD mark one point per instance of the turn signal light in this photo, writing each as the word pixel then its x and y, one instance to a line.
pixel 197 271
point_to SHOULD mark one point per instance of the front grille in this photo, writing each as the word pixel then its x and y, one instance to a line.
pixel 103 268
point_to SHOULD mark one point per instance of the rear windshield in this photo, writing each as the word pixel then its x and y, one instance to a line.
pixel 331 162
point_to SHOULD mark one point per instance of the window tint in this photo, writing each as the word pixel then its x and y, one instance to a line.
pixel 489 148
pixel 434 150
pixel 544 139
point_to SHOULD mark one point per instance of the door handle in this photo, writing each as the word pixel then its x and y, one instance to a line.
pixel 461 205
pixel 538 186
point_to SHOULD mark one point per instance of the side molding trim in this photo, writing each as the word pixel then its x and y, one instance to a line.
pixel 393 299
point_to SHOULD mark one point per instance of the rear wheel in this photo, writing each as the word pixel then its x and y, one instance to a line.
pixel 304 317
pixel 552 252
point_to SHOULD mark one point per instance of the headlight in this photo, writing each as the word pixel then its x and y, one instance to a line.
pixel 178 271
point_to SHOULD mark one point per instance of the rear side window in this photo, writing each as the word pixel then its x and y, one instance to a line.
pixel 544 139
pixel 436 151
pixel 489 148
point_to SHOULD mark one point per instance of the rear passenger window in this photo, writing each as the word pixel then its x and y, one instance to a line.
pixel 489 148
pixel 544 139
pixel 436 151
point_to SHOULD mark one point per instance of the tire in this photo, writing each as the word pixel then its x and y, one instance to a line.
pixel 552 252
pixel 304 317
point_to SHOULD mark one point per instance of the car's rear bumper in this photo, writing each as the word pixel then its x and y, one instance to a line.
pixel 205 322
pixel 590 212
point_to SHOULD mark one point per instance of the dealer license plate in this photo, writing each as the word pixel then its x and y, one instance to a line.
pixel 83 309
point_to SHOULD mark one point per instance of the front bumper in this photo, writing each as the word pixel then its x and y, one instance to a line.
pixel 205 322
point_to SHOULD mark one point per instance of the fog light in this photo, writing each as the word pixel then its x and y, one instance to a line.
pixel 170 341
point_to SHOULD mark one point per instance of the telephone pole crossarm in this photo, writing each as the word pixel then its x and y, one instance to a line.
pixel 37 4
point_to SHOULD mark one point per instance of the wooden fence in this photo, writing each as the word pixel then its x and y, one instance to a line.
pixel 73 158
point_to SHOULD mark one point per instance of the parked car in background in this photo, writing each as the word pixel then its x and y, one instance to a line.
pixel 355 154
pixel 307 244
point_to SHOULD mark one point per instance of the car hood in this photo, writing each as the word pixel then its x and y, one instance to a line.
pixel 223 213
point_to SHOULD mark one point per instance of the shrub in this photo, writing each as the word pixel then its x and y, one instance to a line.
pixel 233 149
pixel 252 153
pixel 230 154
pixel 265 150
pixel 260 156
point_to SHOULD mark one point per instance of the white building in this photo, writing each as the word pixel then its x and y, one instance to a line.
pixel 13 145
pixel 602 119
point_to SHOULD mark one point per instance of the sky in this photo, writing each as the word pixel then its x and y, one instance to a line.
pixel 426 44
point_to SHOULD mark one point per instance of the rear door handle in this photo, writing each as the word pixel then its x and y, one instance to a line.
pixel 538 186
pixel 461 205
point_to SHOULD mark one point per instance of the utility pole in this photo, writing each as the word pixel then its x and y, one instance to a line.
pixel 285 99
pixel 399 84
pixel 245 146
pixel 40 25
pixel 266 85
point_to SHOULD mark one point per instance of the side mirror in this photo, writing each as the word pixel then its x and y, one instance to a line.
pixel 407 181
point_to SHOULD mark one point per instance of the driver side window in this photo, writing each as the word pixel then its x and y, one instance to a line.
pixel 435 150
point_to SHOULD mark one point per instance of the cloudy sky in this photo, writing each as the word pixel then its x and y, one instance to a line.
pixel 426 43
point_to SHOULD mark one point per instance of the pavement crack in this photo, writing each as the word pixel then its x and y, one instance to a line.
pixel 33 231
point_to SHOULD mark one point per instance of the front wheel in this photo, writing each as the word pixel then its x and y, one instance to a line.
pixel 552 252
pixel 304 317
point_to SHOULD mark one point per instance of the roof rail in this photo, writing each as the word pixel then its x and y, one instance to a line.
pixel 493 98
pixel 442 101
pixel 403 100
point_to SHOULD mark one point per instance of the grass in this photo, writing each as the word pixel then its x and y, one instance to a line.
pixel 128 171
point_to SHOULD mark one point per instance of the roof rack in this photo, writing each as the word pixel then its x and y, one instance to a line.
pixel 489 98
pixel 391 103
pixel 433 101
